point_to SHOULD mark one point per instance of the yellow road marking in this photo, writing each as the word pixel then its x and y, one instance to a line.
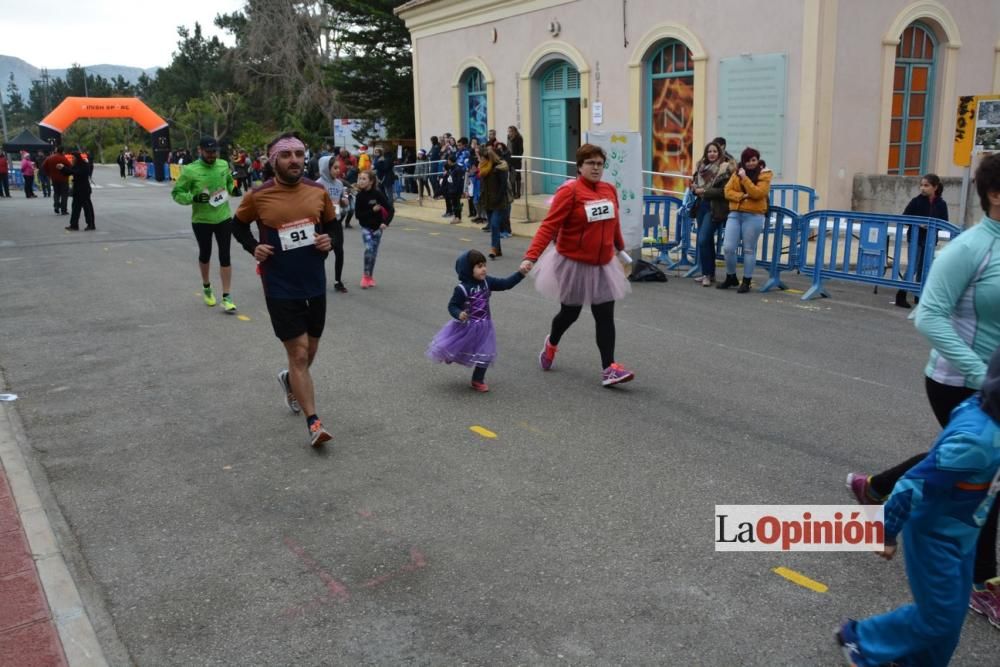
pixel 800 579
pixel 245 318
pixel 435 233
pixel 486 433
pixel 466 240
pixel 794 291
pixel 409 229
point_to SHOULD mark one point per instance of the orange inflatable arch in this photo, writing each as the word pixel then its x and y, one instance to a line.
pixel 73 108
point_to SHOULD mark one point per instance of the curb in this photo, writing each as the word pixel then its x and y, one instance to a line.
pixel 56 553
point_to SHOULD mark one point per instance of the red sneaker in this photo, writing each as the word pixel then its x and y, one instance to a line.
pixel 547 355
pixel 481 387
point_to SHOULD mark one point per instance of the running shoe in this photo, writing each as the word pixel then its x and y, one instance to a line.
pixel 317 434
pixel 366 282
pixel 209 296
pixel 371 282
pixel 547 355
pixel 859 484
pixel 987 601
pixel 339 287
pixel 481 387
pixel 847 639
pixel 290 401
pixel 616 374
pixel 228 305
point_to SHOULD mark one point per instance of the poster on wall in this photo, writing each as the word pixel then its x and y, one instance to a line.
pixel 477 117
pixel 673 131
pixel 752 105
pixel 987 139
pixel 624 171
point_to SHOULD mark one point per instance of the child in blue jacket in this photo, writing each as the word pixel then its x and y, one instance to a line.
pixel 469 338
pixel 939 505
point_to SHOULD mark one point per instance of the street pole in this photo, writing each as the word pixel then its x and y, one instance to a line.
pixel 3 117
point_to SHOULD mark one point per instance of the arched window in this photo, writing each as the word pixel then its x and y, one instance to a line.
pixel 670 95
pixel 912 101
pixel 475 123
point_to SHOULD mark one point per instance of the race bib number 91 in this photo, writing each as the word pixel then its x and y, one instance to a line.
pixel 602 209
pixel 297 234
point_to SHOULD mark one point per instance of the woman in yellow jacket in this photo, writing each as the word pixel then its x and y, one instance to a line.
pixel 747 192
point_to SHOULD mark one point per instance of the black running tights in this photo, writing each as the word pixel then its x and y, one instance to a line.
pixel 204 232
pixel 604 321
pixel 943 399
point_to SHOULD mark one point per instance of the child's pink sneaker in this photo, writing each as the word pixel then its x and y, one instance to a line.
pixel 547 355
pixel 481 387
pixel 366 282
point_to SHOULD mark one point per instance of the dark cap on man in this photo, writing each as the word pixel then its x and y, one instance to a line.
pixel 208 144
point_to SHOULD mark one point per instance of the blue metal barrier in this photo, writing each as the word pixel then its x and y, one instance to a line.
pixel 793 197
pixel 781 245
pixel 656 223
pixel 860 247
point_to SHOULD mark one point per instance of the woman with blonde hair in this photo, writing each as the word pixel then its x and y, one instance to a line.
pixel 493 199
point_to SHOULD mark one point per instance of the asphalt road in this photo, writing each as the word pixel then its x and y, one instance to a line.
pixel 204 530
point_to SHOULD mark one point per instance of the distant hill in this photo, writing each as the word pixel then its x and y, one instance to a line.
pixel 24 73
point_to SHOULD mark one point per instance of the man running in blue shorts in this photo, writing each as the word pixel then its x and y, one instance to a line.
pixel 295 218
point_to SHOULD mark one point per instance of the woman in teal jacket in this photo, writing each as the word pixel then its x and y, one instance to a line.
pixel 959 313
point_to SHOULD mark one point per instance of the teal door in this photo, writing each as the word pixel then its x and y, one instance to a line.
pixel 560 123
pixel 553 141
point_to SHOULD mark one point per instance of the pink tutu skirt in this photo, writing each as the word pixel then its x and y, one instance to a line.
pixel 576 283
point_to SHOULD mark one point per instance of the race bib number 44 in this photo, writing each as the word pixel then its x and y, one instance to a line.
pixel 297 234
pixel 218 198
pixel 602 209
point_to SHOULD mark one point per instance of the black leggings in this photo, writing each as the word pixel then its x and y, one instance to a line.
pixel 204 232
pixel 479 373
pixel 943 399
pixel 604 321
pixel 337 238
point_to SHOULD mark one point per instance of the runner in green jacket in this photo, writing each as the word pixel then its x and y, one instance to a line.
pixel 206 185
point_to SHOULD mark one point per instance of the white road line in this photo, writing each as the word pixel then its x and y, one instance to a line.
pixel 111 185
pixel 136 185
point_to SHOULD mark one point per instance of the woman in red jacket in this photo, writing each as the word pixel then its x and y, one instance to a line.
pixel 580 269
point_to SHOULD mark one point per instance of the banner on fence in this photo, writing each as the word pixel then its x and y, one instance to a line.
pixel 140 169
pixel 624 171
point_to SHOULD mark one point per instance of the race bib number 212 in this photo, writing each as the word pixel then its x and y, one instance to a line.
pixel 603 209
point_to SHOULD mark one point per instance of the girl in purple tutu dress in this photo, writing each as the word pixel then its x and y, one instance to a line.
pixel 469 338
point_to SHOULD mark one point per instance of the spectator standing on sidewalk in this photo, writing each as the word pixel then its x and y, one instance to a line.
pixel 28 173
pixel 928 204
pixel 59 175
pixel 81 171
pixel 515 142
pixel 748 193
pixel 4 176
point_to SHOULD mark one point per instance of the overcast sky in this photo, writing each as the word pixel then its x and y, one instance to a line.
pixel 97 32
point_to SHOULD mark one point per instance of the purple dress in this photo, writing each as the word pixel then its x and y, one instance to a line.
pixel 472 342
